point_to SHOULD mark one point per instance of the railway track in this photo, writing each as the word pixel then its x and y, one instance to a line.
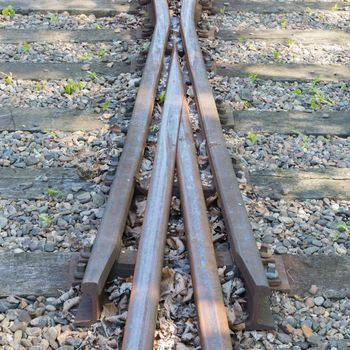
pixel 167 147
pixel 146 292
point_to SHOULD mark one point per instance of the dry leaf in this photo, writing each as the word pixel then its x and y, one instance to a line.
pixel 109 309
pixel 140 208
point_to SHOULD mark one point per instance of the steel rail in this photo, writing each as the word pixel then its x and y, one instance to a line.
pixel 142 314
pixel 242 242
pixel 107 245
pixel 213 326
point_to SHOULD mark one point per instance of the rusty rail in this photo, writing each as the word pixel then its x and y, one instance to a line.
pixel 242 242
pixel 213 325
pixel 142 313
pixel 108 241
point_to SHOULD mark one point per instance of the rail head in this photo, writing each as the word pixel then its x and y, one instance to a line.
pixel 110 233
pixel 242 242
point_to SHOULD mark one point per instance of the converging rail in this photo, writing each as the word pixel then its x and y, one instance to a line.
pixel 176 145
pixel 108 242
pixel 242 242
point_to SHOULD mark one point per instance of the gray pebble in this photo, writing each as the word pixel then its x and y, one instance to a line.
pixel 98 199
pixel 83 197
pixel 319 301
pixel 49 246
pixel 3 222
pixel 280 249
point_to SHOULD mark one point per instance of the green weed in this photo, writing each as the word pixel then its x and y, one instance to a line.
pixel 105 105
pixel 252 136
pixel 222 10
pixel 297 92
pixel 343 227
pixel 291 42
pixel 25 47
pixel 245 104
pixel 8 11
pixel 52 192
pixel 45 219
pixel 305 145
pixel 53 19
pixel 162 97
pixel 154 129
pixel 50 133
pixel 73 86
pixel 276 54
pixel 39 86
pixel 253 77
pixel 283 23
pixel 101 53
pixel 93 75
pixel 8 78
pixel 86 56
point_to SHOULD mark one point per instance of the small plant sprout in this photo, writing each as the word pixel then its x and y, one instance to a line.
pixel 276 54
pixel 242 39
pixel 317 99
pixel 297 92
pixel 252 136
pixel 283 23
pixel 334 236
pixel 222 10
pixel 305 145
pixel 322 16
pixel 8 78
pixel 253 77
pixel 162 97
pixel 98 27
pixel 25 47
pixel 101 53
pixel 105 105
pixel 53 19
pixel 307 10
pixel 73 86
pixel 93 75
pixel 8 11
pixel 45 219
pixel 313 103
pixel 316 80
pixel 154 129
pixel 291 42
pixel 250 46
pixel 334 8
pixel 50 133
pixel 39 86
pixel 343 227
pixel 245 104
pixel 52 192
pixel 86 56
pixel 343 85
